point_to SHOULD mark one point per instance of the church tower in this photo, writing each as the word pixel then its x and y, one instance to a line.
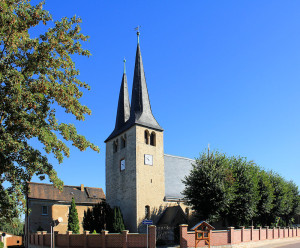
pixel 135 154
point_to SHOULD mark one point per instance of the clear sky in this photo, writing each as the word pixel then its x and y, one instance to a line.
pixel 219 72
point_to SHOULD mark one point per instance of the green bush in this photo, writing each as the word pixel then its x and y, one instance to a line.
pixel 1 245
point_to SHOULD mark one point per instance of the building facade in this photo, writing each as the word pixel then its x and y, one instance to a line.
pixel 46 203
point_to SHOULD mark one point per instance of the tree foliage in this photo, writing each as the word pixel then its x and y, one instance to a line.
pixel 37 74
pixel 14 226
pixel 265 203
pixel 245 187
pixel 212 174
pixel 98 218
pixel 73 222
pixel 238 192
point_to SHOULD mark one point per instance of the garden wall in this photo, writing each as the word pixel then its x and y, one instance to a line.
pixel 237 236
pixel 86 240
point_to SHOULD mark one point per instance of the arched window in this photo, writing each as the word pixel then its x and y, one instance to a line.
pixel 153 139
pixel 123 141
pixel 147 137
pixel 115 145
pixel 147 212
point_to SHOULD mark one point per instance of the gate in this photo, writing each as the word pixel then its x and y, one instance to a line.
pixel 167 235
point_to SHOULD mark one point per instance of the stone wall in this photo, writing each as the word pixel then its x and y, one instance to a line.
pixel 121 185
pixel 237 236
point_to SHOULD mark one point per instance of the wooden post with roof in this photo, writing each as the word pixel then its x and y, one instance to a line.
pixel 202 232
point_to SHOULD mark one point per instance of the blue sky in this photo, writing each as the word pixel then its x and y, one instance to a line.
pixel 219 72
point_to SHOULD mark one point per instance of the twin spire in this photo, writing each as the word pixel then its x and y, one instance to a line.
pixel 140 112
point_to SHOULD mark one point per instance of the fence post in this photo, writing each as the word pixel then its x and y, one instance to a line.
pixel 242 233
pixel 43 237
pixel 85 233
pixel 152 236
pixel 39 237
pixel 231 234
pixel 284 232
pixel 103 234
pixel 183 235
pixel 260 228
pixel 124 238
pixel 251 232
pixel 267 232
pixel 68 233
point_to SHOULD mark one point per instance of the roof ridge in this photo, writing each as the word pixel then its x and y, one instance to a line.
pixel 78 186
pixel 175 156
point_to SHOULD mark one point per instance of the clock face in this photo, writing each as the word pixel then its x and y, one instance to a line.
pixel 122 164
pixel 148 159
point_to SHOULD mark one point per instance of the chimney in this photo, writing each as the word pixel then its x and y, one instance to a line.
pixel 82 187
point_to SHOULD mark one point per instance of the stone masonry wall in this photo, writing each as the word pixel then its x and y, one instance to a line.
pixel 121 185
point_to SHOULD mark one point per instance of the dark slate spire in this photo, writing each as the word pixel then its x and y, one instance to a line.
pixel 141 112
pixel 123 112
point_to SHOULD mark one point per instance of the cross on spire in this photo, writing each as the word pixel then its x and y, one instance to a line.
pixel 138 33
pixel 124 60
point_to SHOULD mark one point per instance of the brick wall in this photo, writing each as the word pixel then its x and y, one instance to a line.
pixel 14 240
pixel 237 236
pixel 103 240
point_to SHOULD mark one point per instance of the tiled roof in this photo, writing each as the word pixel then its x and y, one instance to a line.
pixel 49 192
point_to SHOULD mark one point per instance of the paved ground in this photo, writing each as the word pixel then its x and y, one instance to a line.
pixel 287 244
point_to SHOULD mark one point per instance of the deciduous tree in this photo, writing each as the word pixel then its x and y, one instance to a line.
pixel 14 226
pixel 243 208
pixel 238 191
pixel 265 204
pixel 208 187
pixel 37 74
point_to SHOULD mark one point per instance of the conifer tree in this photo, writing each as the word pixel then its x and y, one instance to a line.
pixel 73 222
pixel 99 218
pixel 118 223
pixel 88 220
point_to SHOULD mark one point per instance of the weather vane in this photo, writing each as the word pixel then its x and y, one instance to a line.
pixel 138 32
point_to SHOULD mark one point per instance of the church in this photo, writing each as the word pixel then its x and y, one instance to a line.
pixel 143 181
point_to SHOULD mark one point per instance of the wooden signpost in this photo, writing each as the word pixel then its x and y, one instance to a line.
pixel 202 232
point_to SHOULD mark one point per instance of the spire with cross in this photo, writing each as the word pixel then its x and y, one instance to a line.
pixel 138 33
pixel 124 60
